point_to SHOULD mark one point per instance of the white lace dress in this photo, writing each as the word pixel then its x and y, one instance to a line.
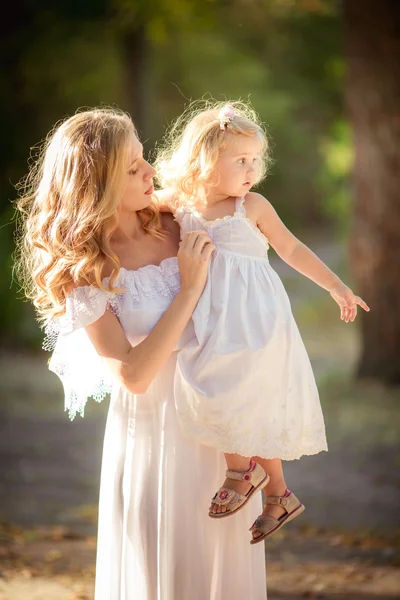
pixel 155 539
pixel 244 383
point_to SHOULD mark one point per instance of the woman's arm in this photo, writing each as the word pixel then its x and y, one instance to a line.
pixel 136 366
pixel 300 257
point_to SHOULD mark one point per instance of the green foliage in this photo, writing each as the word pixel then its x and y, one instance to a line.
pixel 333 180
pixel 284 56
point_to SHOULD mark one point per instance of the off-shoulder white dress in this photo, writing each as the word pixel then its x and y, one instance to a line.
pixel 155 539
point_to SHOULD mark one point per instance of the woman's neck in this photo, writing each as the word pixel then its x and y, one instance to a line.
pixel 129 227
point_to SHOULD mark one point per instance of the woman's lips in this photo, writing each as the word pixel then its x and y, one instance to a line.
pixel 150 190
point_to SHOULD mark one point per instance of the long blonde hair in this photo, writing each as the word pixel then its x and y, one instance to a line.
pixel 68 205
pixel 186 160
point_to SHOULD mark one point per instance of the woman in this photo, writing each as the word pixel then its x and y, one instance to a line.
pixel 108 275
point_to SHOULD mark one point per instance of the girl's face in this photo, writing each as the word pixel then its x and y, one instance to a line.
pixel 139 175
pixel 238 164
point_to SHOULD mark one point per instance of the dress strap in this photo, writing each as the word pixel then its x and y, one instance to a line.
pixel 239 206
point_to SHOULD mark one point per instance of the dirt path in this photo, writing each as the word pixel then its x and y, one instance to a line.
pixel 56 564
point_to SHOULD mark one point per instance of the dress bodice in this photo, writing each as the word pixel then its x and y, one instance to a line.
pixel 235 233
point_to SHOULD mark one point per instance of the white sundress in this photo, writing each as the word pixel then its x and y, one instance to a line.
pixel 244 383
pixel 155 539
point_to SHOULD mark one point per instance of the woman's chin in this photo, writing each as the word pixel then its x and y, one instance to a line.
pixel 147 201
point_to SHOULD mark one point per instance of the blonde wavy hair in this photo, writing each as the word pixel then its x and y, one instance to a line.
pixel 185 162
pixel 68 204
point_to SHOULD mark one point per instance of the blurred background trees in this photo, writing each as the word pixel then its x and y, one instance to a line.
pixel 288 57
pixel 373 95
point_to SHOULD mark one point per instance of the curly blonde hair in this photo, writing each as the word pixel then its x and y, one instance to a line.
pixel 68 205
pixel 186 160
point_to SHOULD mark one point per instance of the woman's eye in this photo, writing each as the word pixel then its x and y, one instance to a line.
pixel 132 171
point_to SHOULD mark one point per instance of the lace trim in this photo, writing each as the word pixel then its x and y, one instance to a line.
pixel 147 286
pixel 151 287
pixel 75 400
pixel 220 220
pixel 66 323
pixel 252 442
pixel 74 406
pixel 140 283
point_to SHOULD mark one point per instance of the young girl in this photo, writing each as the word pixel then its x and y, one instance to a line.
pixel 244 383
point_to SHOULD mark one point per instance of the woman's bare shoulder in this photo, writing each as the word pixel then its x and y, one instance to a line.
pixel 169 223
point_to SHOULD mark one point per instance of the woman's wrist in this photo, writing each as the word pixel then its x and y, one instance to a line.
pixel 190 293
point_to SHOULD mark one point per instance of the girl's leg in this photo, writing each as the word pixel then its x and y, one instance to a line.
pixel 234 462
pixel 276 486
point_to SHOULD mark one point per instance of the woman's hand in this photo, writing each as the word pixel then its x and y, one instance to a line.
pixel 347 301
pixel 194 255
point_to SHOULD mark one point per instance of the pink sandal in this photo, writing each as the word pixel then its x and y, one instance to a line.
pixel 268 525
pixel 234 501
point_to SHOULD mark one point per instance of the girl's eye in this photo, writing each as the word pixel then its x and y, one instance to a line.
pixel 242 161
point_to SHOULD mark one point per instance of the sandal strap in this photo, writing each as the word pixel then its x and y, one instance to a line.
pixel 254 475
pixel 289 502
pixel 264 524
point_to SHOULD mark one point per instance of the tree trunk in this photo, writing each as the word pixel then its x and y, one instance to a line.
pixel 372 37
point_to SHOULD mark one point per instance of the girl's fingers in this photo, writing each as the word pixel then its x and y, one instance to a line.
pixel 363 304
pixel 348 307
pixel 353 313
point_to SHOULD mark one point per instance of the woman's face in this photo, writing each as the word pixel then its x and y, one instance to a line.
pixel 139 175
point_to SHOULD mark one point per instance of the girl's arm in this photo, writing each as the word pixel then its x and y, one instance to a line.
pixel 136 366
pixel 300 257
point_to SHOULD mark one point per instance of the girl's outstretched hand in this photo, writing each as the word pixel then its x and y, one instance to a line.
pixel 347 301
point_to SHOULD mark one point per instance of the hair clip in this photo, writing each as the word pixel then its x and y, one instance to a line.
pixel 226 116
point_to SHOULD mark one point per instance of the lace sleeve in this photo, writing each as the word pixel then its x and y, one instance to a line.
pixel 82 371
